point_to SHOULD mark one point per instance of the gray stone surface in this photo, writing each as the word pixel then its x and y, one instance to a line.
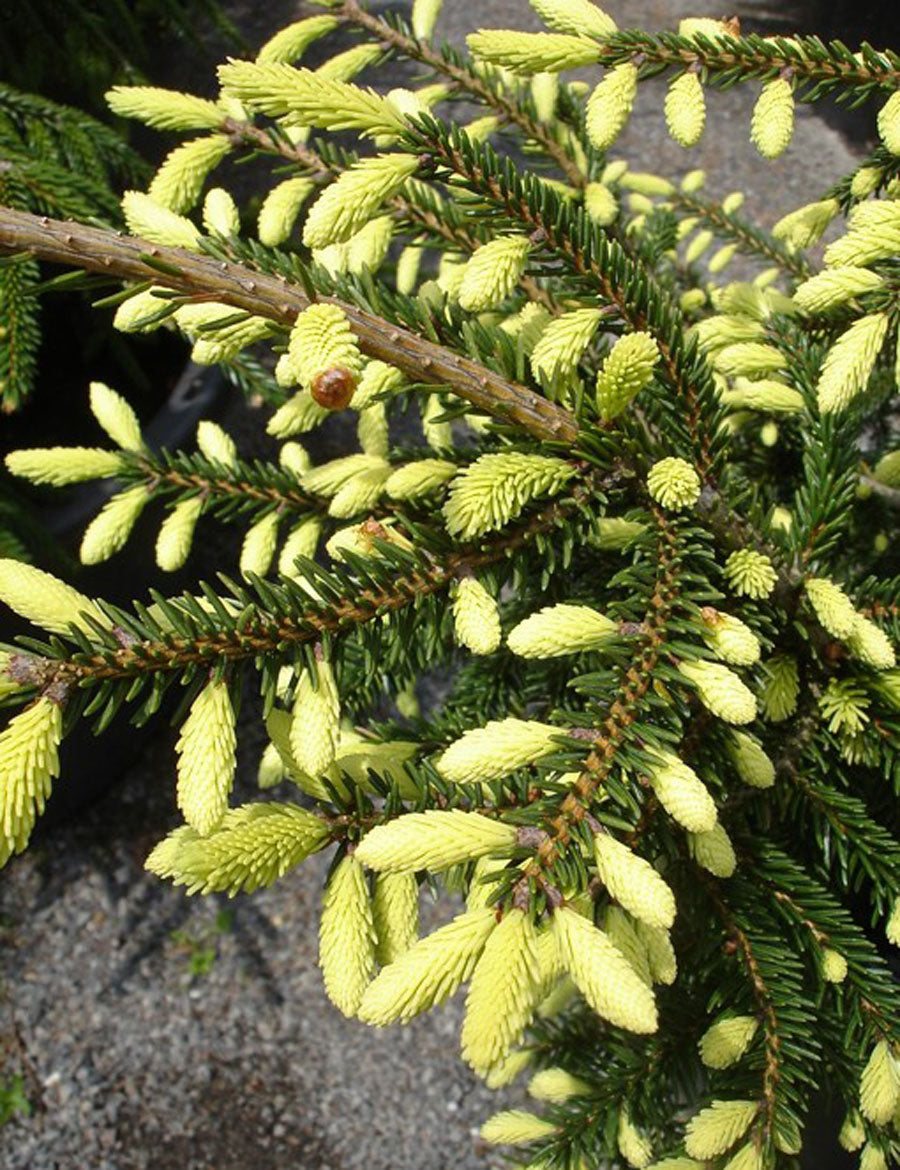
pixel 137 1066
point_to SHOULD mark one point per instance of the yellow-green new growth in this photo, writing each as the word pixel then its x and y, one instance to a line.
pixel 633 882
pixel 763 394
pixel 216 444
pixel 716 1128
pixel 660 953
pixel 872 1158
pixel 723 1044
pixel 529 53
pixel 626 370
pixel 850 361
pixel 321 339
pixel 832 606
pixel 602 974
pixel 116 417
pixel 312 99
pixel 496 488
pixel 621 930
pixel 686 109
pixel 179 180
pixel 750 573
pixel 853 1133
pixel 673 483
pixel 176 534
pixel 713 851
pixel 561 629
pixel 634 1146
pixel 578 17
pixel 562 344
pixel 347 936
pixel 111 527
pixel 682 793
pixel 879 1087
pixel 45 601
pixel 329 478
pixel 870 644
pixel 59 466
pixel 164 109
pixel 834 966
pixel 729 638
pixel 315 720
pixel 748 359
pixel 29 762
pixel 493 272
pixel 206 758
pixel 131 316
pixel 748 1157
pixel 889 123
pixel 804 227
pixel 892 929
pixel 424 17
pixel 721 691
pixel 602 207
pixel 556 1085
pixel 516 1127
pixel 220 213
pixel 753 765
pixel 834 287
pixel 434 839
pixel 253 846
pixel 395 914
pixel 280 209
pixel 350 202
pixel 290 43
pixel 429 972
pixel 151 221
pixel 609 106
pixel 503 993
pixel 498 748
pixel 476 618
pixel 413 480
pixel 772 127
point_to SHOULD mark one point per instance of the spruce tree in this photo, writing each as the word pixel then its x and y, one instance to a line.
pixel 650 529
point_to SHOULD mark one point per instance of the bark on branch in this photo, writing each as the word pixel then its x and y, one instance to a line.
pixel 115 254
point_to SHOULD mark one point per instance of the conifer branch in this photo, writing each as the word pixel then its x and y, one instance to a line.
pixel 262 631
pixel 624 708
pixel 469 82
pixel 762 995
pixel 619 279
pixel 128 258
pixel 256 483
pixel 729 59
pixel 752 241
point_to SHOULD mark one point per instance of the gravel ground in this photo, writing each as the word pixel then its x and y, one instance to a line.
pixel 133 1063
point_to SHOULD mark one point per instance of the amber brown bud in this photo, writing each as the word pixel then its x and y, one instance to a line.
pixel 333 388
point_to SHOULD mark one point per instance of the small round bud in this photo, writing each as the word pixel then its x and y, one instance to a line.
pixel 333 388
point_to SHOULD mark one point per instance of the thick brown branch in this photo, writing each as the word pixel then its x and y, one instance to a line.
pixel 100 250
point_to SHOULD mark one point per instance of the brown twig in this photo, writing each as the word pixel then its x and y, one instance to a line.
pixel 267 633
pixel 129 258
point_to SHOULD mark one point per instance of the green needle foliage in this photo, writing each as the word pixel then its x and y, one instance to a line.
pixel 649 529
pixel 54 161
